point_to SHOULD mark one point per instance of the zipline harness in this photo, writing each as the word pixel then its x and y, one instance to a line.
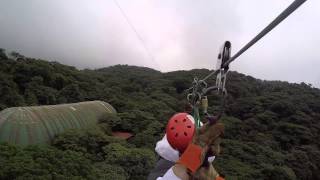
pixel 197 93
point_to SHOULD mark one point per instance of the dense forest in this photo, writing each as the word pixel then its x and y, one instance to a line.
pixel 272 127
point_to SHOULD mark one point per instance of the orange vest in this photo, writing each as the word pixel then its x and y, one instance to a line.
pixel 219 178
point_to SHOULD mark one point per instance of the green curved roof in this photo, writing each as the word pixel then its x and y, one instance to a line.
pixel 39 124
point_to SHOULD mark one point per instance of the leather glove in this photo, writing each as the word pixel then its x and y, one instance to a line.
pixel 208 137
pixel 204 142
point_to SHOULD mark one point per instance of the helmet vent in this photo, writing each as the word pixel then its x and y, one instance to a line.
pixel 176 121
pixel 184 120
pixel 172 128
pixel 185 134
pixel 176 135
pixel 188 126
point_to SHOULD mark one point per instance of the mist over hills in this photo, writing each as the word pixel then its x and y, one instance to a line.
pixel 272 127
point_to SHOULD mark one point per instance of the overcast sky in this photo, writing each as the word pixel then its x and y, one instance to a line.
pixel 179 34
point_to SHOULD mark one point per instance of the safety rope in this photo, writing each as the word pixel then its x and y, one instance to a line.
pixel 196 116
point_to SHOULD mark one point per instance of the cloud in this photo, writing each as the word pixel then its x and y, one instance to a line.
pixel 179 34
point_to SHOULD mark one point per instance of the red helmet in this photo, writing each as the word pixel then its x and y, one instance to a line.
pixel 180 130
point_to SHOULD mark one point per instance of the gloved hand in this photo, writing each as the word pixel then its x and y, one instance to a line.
pixel 214 147
pixel 206 170
pixel 205 142
pixel 205 173
pixel 208 137
pixel 195 159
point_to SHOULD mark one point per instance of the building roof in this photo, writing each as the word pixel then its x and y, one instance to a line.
pixel 39 124
pixel 122 135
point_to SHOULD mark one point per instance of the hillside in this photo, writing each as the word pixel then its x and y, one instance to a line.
pixel 272 127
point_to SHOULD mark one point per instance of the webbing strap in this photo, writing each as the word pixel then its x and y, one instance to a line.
pixel 196 116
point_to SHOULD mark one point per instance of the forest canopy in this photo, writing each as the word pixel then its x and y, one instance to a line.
pixel 272 127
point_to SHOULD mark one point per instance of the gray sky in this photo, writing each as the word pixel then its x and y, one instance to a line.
pixel 180 34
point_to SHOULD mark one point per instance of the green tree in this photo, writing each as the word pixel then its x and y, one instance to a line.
pixel 3 55
pixel 137 162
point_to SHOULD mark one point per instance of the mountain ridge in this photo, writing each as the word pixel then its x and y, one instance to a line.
pixel 272 127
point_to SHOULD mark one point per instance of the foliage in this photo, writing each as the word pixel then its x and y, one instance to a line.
pixel 272 127
pixel 89 142
pixel 36 162
pixel 136 161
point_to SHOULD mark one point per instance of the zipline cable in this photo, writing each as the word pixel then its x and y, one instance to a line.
pixel 294 6
pixel 136 33
pixel 200 89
